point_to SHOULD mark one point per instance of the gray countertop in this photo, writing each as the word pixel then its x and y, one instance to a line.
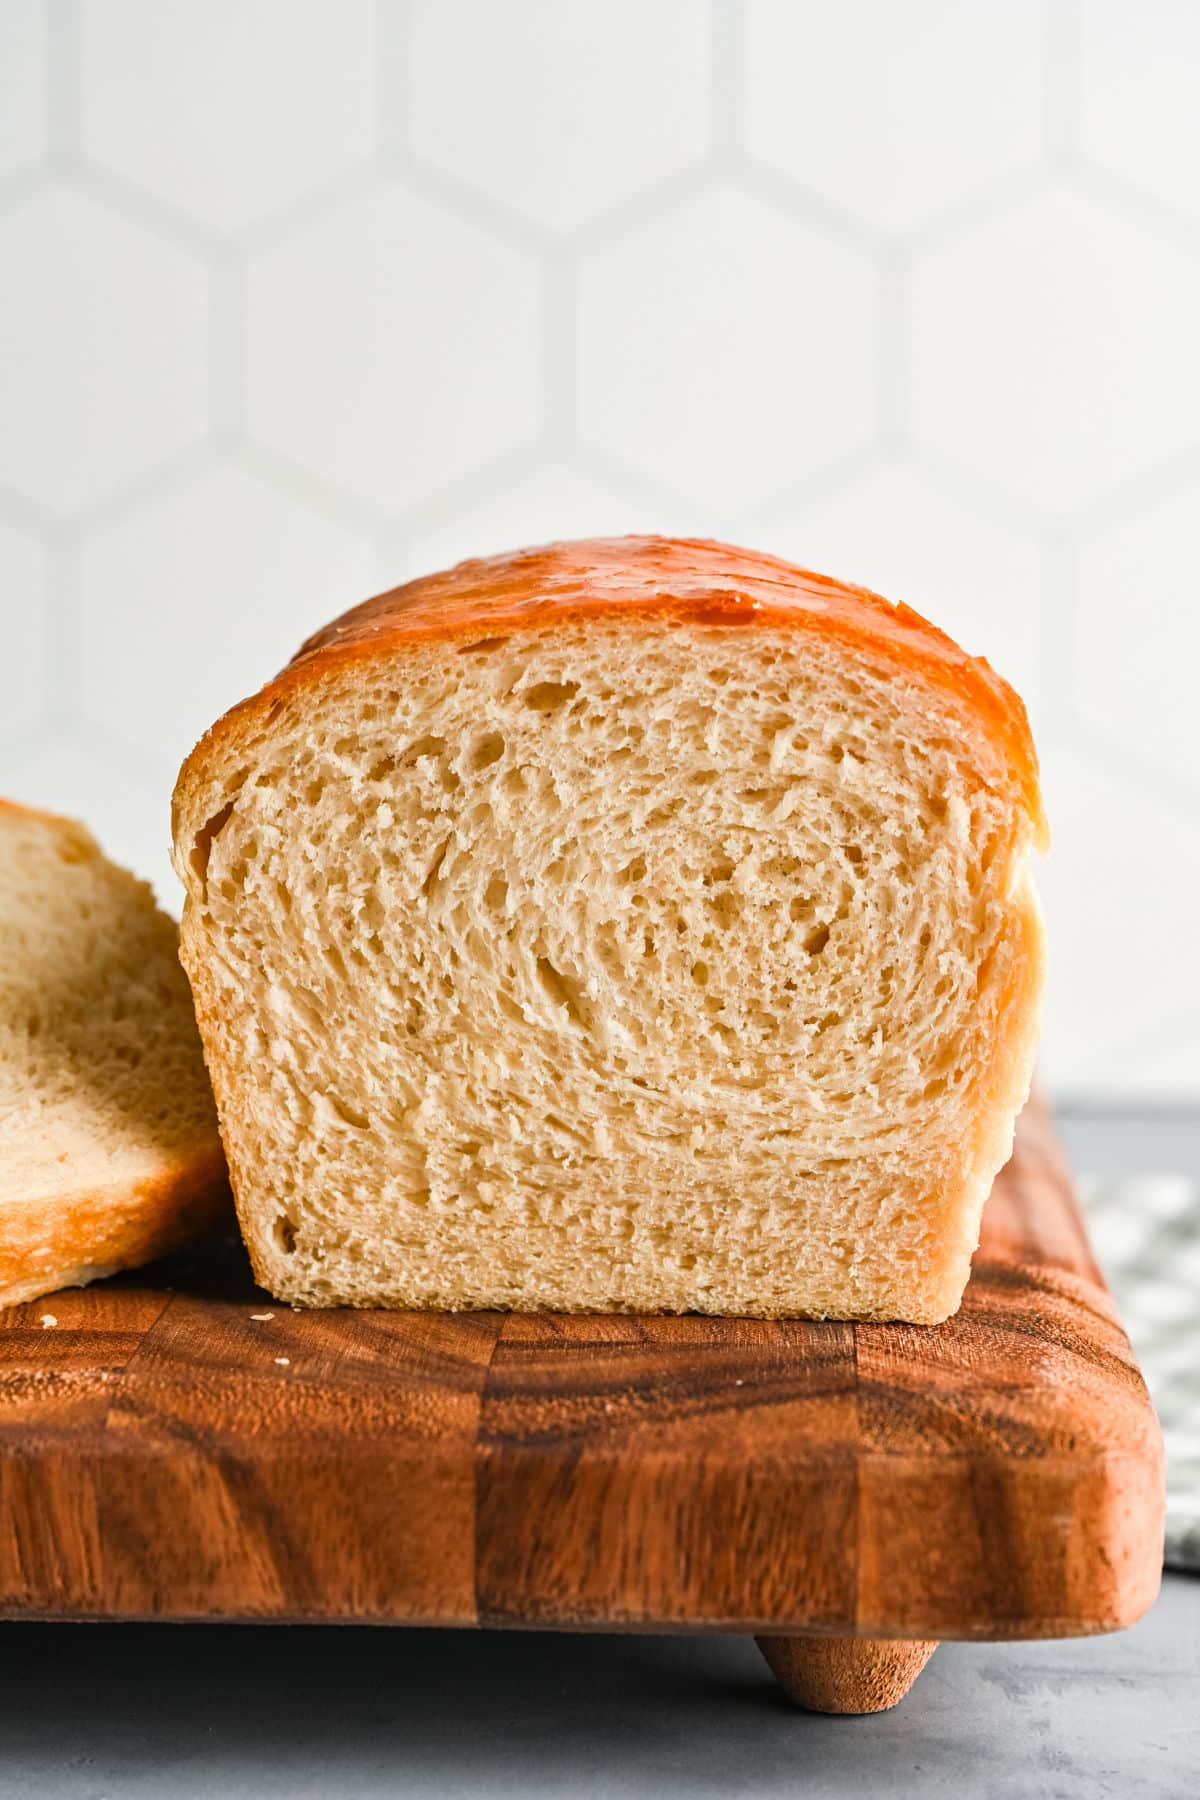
pixel 97 1712
pixel 214 1713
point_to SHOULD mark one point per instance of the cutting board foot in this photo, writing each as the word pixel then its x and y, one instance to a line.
pixel 845 1675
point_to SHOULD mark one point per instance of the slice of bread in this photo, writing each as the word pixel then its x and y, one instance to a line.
pixel 636 925
pixel 109 1154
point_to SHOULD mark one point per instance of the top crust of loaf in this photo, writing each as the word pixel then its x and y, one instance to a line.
pixel 638 578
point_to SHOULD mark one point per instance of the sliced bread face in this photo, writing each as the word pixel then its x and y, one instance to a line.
pixel 597 953
pixel 110 1153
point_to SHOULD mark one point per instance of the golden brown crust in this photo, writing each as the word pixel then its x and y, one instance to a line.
pixel 29 812
pixel 55 1240
pixel 637 578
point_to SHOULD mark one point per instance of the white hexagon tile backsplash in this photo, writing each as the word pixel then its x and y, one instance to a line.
pixel 103 349
pixel 175 578
pixel 228 112
pixel 561 112
pixel 895 113
pixel 1048 349
pixel 300 297
pixel 429 334
pixel 725 347
pixel 22 83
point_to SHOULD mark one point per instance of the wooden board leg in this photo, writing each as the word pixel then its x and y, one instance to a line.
pixel 846 1675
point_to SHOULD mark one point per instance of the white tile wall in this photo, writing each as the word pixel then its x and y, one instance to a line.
pixel 22 79
pixel 560 112
pixel 1052 351
pixel 724 348
pixel 429 332
pixel 894 113
pixel 229 112
pixel 298 297
pixel 103 345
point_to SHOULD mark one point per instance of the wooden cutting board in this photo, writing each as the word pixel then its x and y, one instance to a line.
pixel 849 1492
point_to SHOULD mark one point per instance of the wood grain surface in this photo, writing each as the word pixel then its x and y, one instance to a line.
pixel 166 1454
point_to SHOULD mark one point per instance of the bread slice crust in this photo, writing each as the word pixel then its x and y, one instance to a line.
pixel 97 1209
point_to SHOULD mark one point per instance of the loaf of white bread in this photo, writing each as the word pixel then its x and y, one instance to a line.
pixel 109 1152
pixel 627 925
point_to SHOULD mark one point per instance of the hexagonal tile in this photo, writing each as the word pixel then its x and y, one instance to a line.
pixel 725 349
pixel 22 82
pixel 1124 954
pixel 103 349
pixel 562 107
pixel 22 630
pixel 894 532
pixel 230 108
pixel 554 503
pixel 191 604
pixel 1137 634
pixel 393 348
pixel 1053 351
pixel 1138 112
pixel 894 111
pixel 131 818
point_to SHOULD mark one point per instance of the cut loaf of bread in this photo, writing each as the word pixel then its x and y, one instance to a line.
pixel 637 925
pixel 109 1153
